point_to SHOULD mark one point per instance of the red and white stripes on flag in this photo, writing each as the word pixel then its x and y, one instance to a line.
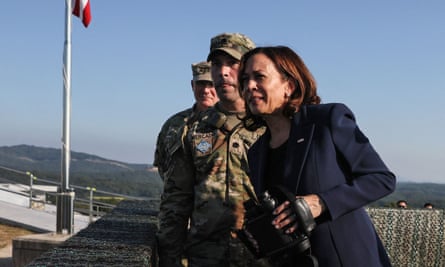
pixel 81 9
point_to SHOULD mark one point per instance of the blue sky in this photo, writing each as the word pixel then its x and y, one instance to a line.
pixel 131 70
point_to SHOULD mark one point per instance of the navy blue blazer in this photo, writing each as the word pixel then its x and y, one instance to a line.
pixel 328 155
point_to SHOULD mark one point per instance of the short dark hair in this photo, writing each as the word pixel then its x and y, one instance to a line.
pixel 400 202
pixel 428 204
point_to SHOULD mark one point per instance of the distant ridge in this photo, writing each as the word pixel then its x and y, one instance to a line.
pixel 416 194
pixel 143 179
pixel 49 159
pixel 85 169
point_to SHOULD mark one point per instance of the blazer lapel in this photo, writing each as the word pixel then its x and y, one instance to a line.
pixel 259 156
pixel 297 149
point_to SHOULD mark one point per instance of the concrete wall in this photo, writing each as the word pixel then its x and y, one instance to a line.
pixel 27 248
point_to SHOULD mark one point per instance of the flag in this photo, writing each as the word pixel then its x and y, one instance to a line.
pixel 81 9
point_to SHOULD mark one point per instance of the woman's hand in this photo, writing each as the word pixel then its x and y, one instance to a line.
pixel 315 204
pixel 285 217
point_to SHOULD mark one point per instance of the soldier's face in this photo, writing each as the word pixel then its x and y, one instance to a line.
pixel 225 76
pixel 205 94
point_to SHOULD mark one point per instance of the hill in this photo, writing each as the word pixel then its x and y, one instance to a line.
pixel 143 181
pixel 85 170
pixel 416 194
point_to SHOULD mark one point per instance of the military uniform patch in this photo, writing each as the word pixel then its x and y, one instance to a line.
pixel 203 145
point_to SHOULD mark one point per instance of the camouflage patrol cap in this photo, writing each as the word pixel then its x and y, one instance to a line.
pixel 201 71
pixel 234 44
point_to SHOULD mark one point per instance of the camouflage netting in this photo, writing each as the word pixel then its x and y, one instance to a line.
pixel 124 237
pixel 412 237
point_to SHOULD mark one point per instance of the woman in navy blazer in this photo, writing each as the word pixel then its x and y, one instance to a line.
pixel 316 151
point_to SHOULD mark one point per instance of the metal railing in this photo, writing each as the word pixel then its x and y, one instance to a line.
pixel 96 204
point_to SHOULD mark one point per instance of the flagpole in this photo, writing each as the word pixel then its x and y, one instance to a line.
pixel 65 218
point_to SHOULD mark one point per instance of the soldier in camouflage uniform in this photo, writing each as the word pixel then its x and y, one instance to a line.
pixel 205 97
pixel 207 179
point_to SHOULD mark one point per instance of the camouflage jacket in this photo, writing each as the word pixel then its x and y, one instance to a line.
pixel 207 183
pixel 168 136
